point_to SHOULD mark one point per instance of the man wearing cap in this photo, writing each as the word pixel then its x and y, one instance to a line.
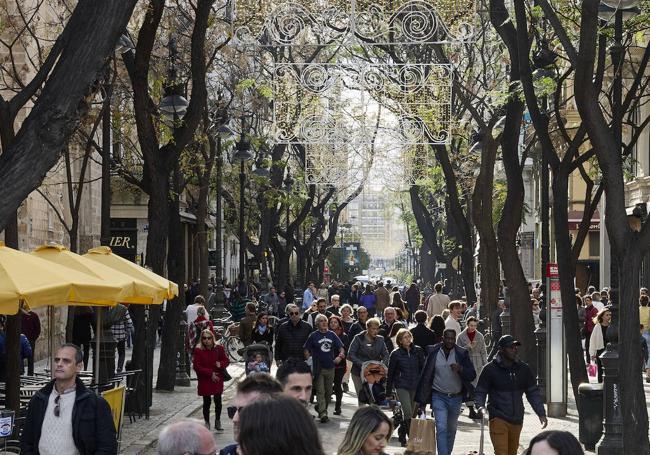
pixel 505 379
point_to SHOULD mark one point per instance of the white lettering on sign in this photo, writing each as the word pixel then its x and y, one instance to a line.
pixel 122 241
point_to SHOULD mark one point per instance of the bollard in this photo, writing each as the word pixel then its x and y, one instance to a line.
pixel 505 321
pixel 182 378
pixel 591 414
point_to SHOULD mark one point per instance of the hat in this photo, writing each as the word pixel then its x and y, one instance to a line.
pixel 508 340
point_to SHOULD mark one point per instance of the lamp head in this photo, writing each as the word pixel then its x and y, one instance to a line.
pixel 243 150
pixel 173 104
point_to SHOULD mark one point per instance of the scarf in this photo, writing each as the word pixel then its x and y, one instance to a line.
pixel 471 335
pixel 261 328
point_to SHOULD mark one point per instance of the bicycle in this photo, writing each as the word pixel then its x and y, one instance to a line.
pixel 229 338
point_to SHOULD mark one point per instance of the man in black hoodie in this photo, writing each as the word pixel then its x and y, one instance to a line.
pixel 505 379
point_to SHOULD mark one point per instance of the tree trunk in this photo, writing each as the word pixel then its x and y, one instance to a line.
pixel 629 348
pixel 12 341
pixel 156 256
pixel 518 298
pixel 176 267
pixel 202 235
pixel 88 38
pixel 482 206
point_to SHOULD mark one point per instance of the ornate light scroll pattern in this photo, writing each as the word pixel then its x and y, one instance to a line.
pixel 327 164
pixel 368 22
pixel 323 103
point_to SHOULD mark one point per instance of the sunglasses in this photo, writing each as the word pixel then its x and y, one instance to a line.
pixel 294 313
pixel 57 408
pixel 232 410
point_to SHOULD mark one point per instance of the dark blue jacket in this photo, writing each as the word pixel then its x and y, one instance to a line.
pixel 93 429
pixel 467 374
pixel 229 450
pixel 404 368
pixel 506 386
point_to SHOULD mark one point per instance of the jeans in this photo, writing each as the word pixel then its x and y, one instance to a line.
pixel 504 436
pixel 446 411
pixel 324 383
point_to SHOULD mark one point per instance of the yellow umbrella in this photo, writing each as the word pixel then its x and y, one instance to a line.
pixel 39 283
pixel 104 255
pixel 134 290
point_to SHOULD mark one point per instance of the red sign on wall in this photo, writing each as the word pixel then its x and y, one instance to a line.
pixel 552 270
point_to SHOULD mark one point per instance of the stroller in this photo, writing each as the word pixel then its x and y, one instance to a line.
pixel 258 358
pixel 373 383
pixel 373 391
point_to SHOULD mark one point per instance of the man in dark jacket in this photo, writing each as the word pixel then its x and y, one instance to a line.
pixel 291 336
pixel 64 416
pixel 505 379
pixel 31 327
pixel 445 380
pixel 412 299
pixel 423 336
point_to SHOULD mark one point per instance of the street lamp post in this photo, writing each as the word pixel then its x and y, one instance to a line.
pixel 173 107
pixel 222 133
pixel 242 155
pixel 612 440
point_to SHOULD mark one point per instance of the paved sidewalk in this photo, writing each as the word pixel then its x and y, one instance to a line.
pixel 166 407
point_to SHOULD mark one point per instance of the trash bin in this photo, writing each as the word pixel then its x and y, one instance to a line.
pixel 591 414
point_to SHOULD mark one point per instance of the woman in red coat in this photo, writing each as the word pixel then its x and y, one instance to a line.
pixel 209 362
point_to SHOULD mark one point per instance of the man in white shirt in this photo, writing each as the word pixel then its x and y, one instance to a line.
pixel 437 302
pixel 455 312
pixel 191 310
pixel 64 417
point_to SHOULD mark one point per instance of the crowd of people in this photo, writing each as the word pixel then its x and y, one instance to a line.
pixel 431 349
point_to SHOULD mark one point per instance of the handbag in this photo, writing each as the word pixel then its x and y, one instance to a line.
pixel 225 374
pixel 422 436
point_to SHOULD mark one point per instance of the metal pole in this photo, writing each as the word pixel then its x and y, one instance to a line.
pixel 218 271
pixel 242 240
pixel 98 336
pixel 50 324
pixel 612 441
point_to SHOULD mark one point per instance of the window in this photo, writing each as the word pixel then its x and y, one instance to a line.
pixel 594 243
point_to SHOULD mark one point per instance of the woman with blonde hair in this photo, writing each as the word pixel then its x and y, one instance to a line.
pixel 368 433
pixel 599 339
pixel 404 368
pixel 210 361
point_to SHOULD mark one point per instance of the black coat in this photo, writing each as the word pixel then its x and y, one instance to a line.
pixel 93 430
pixel 290 339
pixel 423 336
pixel 505 387
pixel 404 368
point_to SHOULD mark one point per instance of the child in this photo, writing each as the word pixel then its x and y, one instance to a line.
pixel 258 365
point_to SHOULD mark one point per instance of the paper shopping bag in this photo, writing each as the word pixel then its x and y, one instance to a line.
pixel 422 436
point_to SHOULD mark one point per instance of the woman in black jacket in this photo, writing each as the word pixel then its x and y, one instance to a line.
pixel 262 333
pixel 404 368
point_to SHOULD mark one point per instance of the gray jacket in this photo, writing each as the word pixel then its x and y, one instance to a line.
pixel 477 354
pixel 362 350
